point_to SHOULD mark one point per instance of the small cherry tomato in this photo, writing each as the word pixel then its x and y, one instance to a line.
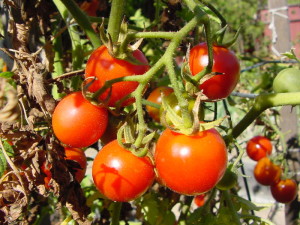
pixel 77 155
pixel 266 172
pixel 120 175
pixel 104 67
pixel 155 97
pixel 78 123
pixel 259 147
pixel 287 80
pixel 225 61
pixel 190 165
pixel 199 200
pixel 228 181
pixel 284 191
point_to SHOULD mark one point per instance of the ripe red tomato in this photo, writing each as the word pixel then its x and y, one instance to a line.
pixel 78 123
pixel 199 200
pixel 46 170
pixel 120 175
pixel 155 96
pixel 284 191
pixel 266 172
pixel 225 61
pixel 104 67
pixel 190 165
pixel 78 156
pixel 259 147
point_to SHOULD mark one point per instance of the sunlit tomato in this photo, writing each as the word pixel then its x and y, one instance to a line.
pixel 225 61
pixel 259 147
pixel 172 101
pixel 228 181
pixel 104 67
pixel 266 172
pixel 77 155
pixel 155 97
pixel 190 165
pixel 78 123
pixel 90 7
pixel 284 191
pixel 199 200
pixel 46 170
pixel 287 80
pixel 120 175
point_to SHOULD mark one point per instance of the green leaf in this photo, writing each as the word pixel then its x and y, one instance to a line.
pixel 7 74
pixel 247 205
pixel 3 164
pixel 8 148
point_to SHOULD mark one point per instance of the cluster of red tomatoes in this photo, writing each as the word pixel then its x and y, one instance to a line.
pixel 180 162
pixel 266 172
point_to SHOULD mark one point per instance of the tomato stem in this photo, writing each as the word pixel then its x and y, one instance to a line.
pixel 117 206
pixel 115 19
pixel 231 207
pixel 261 103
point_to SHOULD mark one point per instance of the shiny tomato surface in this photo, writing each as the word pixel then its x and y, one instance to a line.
pixel 78 123
pixel 104 67
pixel 225 61
pixel 156 97
pixel 121 176
pixel 259 147
pixel 77 155
pixel 266 172
pixel 190 165
pixel 284 191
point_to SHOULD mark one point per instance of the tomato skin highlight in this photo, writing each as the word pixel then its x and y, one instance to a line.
pixel 259 147
pixel 225 61
pixel 190 165
pixel 78 156
pixel 121 176
pixel 266 172
pixel 104 67
pixel 78 123
pixel 155 96
pixel 284 191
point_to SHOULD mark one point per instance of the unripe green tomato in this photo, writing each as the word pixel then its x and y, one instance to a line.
pixel 172 101
pixel 287 80
pixel 228 181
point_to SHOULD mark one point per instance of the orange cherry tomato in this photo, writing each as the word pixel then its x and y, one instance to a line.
pixel 266 172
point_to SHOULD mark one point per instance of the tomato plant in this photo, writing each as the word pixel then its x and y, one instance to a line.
pixel 104 67
pixel 77 155
pixel 228 181
pixel 259 147
pixel 78 123
pixel 156 97
pixel 190 165
pixel 284 191
pixel 121 176
pixel 266 172
pixel 225 61
pixel 172 102
pixel 287 80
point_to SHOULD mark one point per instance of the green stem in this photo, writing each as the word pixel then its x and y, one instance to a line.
pixel 263 102
pixel 231 207
pixel 115 19
pixel 82 20
pixel 115 218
